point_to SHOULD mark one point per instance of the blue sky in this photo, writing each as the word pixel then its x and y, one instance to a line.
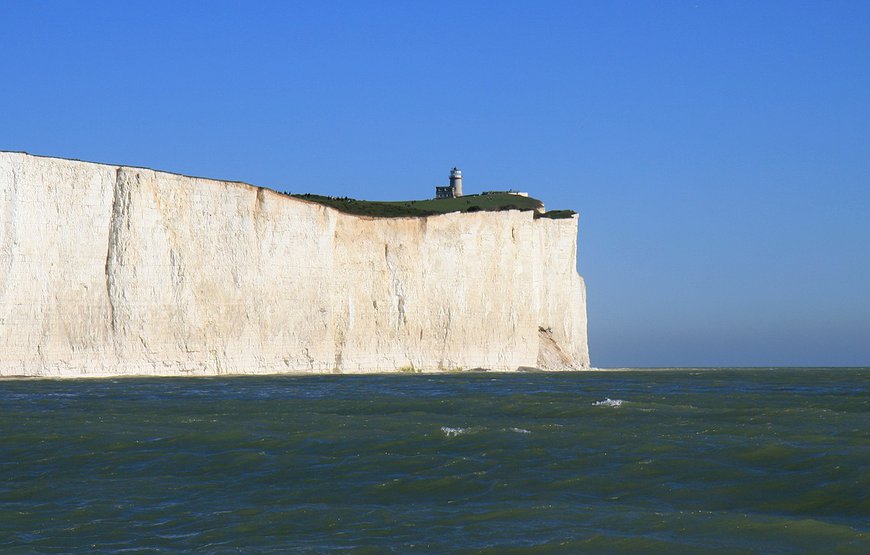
pixel 718 152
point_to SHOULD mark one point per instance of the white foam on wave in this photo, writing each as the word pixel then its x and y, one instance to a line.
pixel 608 402
pixel 449 431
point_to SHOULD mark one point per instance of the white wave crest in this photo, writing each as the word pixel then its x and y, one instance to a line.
pixel 520 430
pixel 608 402
pixel 453 432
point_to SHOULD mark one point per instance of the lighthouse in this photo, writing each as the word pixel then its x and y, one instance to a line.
pixel 456 181
pixel 454 189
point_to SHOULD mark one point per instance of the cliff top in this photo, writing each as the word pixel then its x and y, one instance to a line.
pixel 486 202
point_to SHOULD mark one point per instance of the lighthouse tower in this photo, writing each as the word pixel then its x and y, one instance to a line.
pixel 456 181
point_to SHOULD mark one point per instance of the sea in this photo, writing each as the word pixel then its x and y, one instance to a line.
pixel 716 460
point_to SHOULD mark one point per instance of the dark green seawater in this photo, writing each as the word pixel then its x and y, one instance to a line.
pixel 668 461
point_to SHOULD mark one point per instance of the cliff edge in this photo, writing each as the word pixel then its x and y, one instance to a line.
pixel 108 270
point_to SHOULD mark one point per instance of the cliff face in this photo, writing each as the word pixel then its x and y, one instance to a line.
pixel 108 270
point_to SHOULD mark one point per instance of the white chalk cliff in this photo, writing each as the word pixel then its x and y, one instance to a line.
pixel 108 270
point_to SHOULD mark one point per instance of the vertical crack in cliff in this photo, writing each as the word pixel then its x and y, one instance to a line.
pixel 110 250
pixel 444 338
pixel 184 304
pixel 398 288
pixel 342 325
pixel 258 223
pixel 120 206
pixel 9 239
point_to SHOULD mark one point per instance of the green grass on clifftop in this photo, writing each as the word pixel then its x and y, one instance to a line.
pixel 490 202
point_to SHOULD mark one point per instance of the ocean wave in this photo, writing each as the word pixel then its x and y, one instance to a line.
pixel 608 402
pixel 449 431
